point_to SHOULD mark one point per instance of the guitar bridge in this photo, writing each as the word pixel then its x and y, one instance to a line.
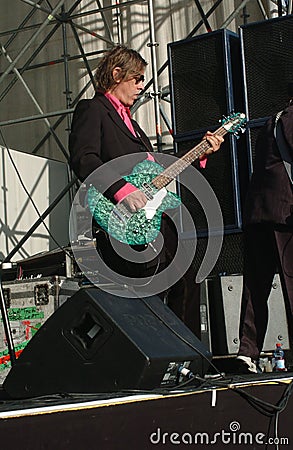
pixel 121 212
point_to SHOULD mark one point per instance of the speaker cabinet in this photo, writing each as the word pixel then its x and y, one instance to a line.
pixel 253 129
pixel 205 79
pixel 267 53
pixel 227 174
pixel 98 342
pixel 230 260
pixel 206 83
pixel 221 304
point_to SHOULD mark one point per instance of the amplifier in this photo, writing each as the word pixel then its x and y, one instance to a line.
pixel 29 304
pixel 60 262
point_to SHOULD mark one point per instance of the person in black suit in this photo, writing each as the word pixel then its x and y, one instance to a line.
pixel 268 239
pixel 102 130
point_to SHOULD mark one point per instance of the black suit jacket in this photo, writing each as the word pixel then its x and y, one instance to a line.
pixel 270 194
pixel 99 135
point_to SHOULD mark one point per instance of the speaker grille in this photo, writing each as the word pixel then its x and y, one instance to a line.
pixel 268 64
pixel 200 79
pixel 221 173
pixel 230 260
pixel 252 135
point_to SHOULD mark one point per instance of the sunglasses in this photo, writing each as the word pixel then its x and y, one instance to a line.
pixel 139 78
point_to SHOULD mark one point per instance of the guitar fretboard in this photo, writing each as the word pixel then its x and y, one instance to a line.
pixel 177 167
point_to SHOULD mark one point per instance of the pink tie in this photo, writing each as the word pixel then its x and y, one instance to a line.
pixel 125 114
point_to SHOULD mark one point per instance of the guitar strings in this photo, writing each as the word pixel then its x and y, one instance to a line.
pixel 178 166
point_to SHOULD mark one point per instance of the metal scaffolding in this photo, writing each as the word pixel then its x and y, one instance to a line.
pixel 68 18
pixel 70 21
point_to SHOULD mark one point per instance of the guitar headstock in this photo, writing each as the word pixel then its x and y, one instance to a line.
pixel 234 123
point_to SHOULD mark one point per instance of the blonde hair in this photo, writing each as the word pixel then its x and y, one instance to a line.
pixel 129 61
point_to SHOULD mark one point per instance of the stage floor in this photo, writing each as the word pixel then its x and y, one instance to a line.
pixel 237 412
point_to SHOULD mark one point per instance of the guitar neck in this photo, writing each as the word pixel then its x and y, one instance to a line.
pixel 181 164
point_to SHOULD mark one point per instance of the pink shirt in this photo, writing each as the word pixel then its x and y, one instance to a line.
pixel 124 113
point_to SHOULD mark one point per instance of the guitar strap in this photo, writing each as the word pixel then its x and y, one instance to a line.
pixel 283 147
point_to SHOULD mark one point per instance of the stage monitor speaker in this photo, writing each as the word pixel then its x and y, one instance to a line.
pixel 99 342
pixel 221 302
pixel 205 80
pixel 267 53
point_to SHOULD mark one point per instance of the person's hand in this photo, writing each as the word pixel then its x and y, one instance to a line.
pixel 135 201
pixel 215 140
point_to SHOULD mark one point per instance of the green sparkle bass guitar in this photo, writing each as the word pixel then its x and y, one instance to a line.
pixel 143 226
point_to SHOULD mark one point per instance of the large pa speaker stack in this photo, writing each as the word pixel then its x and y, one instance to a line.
pixel 206 84
pixel 205 77
pixel 267 57
pixel 99 342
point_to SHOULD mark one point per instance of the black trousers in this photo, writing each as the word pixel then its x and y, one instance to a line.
pixel 267 249
pixel 183 297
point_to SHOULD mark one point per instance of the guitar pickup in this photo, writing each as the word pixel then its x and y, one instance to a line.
pixel 148 191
